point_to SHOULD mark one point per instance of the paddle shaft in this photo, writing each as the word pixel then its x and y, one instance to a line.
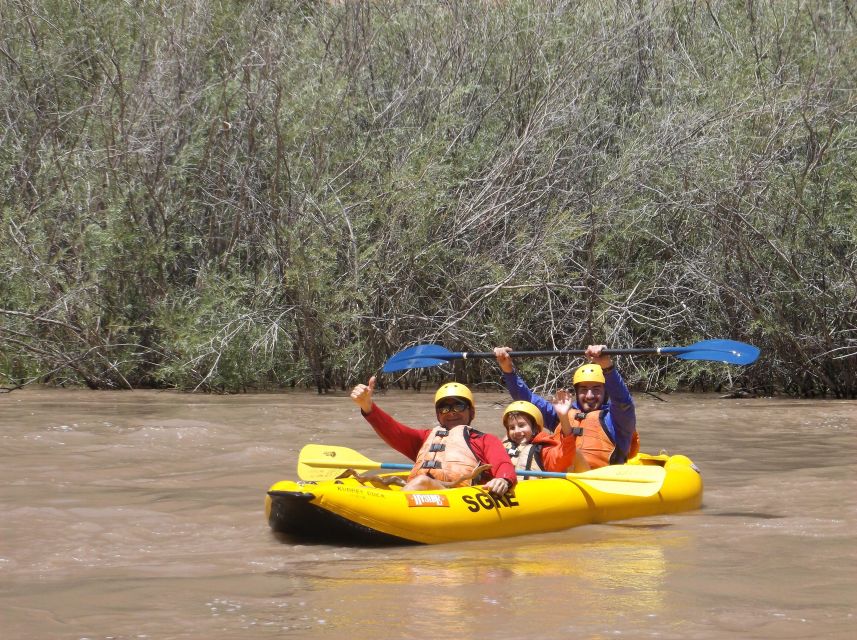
pixel 338 464
pixel 331 464
pixel 577 476
pixel 464 355
pixel 432 355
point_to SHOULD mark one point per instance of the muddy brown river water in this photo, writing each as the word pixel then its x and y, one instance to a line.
pixel 140 515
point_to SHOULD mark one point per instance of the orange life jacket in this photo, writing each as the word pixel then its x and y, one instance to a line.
pixel 595 444
pixel 446 456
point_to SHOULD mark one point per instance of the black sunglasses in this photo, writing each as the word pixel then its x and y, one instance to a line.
pixel 449 407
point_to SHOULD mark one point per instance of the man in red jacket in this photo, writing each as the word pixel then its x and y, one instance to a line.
pixel 448 454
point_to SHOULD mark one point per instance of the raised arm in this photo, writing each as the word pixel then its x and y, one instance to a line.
pixel 562 402
pixel 519 390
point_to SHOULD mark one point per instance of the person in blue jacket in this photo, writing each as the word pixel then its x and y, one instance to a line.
pixel 604 408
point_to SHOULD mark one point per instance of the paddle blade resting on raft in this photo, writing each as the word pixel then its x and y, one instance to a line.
pixel 629 480
pixel 718 350
pixel 326 462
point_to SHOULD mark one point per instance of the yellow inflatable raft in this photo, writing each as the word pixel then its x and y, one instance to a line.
pixel 364 511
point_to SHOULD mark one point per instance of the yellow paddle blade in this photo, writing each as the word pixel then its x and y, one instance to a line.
pixel 326 462
pixel 631 480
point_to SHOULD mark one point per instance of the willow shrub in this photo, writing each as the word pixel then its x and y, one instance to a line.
pixel 230 195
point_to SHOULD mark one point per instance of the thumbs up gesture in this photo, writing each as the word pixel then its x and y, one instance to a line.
pixel 362 395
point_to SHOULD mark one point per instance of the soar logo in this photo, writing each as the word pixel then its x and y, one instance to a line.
pixel 487 501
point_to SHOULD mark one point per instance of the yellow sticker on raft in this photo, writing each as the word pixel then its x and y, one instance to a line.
pixel 427 500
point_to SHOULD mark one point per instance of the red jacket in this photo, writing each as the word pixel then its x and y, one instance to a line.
pixel 408 442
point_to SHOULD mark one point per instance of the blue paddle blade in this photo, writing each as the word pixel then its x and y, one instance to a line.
pixel 423 350
pixel 400 364
pixel 729 351
pixel 418 357
pixel 712 356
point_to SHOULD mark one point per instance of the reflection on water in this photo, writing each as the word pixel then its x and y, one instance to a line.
pixel 746 514
pixel 519 560
pixel 139 514
pixel 452 584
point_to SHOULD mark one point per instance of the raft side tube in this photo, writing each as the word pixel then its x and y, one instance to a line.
pixel 292 513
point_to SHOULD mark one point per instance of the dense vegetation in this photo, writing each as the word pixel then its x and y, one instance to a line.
pixel 225 195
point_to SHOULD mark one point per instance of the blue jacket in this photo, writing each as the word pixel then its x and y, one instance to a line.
pixel 620 415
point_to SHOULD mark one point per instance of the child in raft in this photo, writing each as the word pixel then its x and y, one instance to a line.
pixel 531 448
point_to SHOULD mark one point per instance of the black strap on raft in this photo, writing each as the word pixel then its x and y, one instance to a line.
pixel 432 464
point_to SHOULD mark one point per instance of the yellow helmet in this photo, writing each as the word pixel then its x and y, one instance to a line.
pixel 522 406
pixel 455 390
pixel 588 373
